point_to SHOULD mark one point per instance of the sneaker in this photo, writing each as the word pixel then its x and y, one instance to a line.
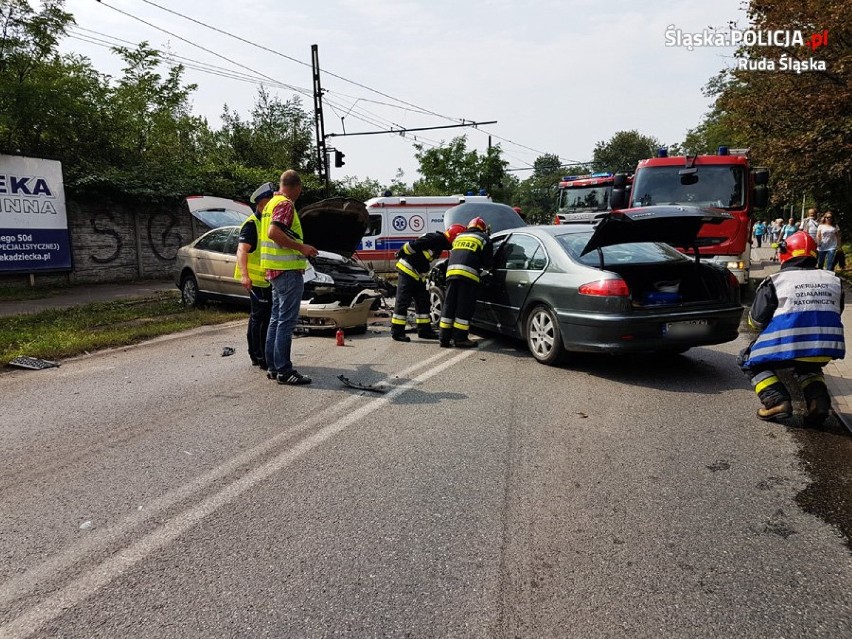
pixel 270 374
pixel 817 412
pixel 293 378
pixel 400 338
pixel 427 335
pixel 466 343
pixel 784 410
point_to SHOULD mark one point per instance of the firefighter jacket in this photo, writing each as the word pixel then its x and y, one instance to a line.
pixel 471 252
pixel 415 257
pixel 798 310
pixel 249 229
pixel 272 256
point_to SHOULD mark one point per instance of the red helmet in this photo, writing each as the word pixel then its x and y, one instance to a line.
pixel 453 231
pixel 799 244
pixel 478 223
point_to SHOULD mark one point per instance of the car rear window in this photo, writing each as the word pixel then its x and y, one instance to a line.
pixel 214 218
pixel 632 253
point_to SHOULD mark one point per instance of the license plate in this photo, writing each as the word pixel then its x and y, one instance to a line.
pixel 688 328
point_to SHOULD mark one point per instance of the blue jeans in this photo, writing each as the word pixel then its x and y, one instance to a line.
pixel 825 259
pixel 287 291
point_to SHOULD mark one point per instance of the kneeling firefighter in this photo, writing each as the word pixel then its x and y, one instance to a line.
pixel 413 262
pixel 798 313
pixel 471 253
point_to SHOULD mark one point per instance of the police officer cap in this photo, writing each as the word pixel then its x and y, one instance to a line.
pixel 264 191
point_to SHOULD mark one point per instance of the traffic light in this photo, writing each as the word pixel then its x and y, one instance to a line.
pixel 338 159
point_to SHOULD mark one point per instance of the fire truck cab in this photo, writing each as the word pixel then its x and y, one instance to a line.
pixel 723 181
pixel 583 194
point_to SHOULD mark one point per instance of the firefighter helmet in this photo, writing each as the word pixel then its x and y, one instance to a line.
pixel 478 223
pixel 799 244
pixel 453 231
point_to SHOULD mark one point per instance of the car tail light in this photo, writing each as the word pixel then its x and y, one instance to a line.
pixel 606 288
pixel 733 282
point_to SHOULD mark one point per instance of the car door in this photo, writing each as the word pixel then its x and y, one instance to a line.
pixel 519 262
pixel 210 260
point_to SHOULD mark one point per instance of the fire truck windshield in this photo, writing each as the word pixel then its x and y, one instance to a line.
pixel 591 198
pixel 715 186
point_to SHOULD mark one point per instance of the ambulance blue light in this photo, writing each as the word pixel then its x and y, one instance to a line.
pixel 723 150
pixel 662 153
pixel 602 174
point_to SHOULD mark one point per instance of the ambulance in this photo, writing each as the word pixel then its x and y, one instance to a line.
pixel 396 220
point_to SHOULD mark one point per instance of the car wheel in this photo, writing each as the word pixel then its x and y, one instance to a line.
pixel 436 304
pixel 544 338
pixel 189 293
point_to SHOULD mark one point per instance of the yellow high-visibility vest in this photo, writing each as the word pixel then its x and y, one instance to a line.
pixel 255 271
pixel 273 256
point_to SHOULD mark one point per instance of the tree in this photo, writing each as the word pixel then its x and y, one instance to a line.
pixel 452 168
pixel 623 151
pixel 799 124
pixel 537 194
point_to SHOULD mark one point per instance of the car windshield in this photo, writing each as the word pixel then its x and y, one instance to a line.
pixel 632 253
pixel 712 186
pixel 591 198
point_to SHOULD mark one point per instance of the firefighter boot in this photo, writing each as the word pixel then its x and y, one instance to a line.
pixel 781 410
pixel 444 336
pixel 398 334
pixel 817 412
pixel 427 333
pixel 464 342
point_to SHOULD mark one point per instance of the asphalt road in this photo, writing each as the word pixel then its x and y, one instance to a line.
pixel 165 490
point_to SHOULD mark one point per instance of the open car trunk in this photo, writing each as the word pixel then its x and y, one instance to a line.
pixel 682 284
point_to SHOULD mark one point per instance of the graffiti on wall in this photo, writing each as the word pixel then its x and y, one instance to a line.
pixel 107 228
pixel 164 235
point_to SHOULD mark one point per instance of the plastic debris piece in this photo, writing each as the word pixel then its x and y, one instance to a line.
pixel 87 525
pixel 359 386
pixel 228 350
pixel 32 363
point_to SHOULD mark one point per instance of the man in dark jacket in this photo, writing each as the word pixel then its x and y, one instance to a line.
pixel 471 253
pixel 797 311
pixel 413 262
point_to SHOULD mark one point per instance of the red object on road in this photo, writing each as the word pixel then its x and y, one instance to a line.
pixel 339 336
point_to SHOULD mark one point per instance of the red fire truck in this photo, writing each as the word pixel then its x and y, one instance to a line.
pixel 583 194
pixel 723 181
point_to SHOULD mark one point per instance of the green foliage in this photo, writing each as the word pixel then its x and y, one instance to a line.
pixel 56 334
pixel 797 124
pixel 452 168
pixel 623 151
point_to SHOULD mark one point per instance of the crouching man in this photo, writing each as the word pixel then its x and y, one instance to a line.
pixel 797 311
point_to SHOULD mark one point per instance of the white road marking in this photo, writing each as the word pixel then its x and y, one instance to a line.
pixel 102 574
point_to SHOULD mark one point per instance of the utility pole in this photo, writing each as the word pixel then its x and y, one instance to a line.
pixel 322 156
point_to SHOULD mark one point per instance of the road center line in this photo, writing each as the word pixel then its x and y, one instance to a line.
pixel 99 576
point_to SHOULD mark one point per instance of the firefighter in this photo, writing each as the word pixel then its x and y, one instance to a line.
pixel 797 311
pixel 471 253
pixel 413 261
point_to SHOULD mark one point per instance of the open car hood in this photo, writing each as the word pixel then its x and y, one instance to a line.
pixel 674 225
pixel 335 225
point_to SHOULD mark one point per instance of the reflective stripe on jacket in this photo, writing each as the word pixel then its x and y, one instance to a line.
pixel 272 256
pixel 471 252
pixel 415 257
pixel 806 325
pixel 255 271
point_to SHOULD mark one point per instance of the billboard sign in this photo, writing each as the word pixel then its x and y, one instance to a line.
pixel 33 220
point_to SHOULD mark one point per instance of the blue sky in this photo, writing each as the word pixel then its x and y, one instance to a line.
pixel 558 76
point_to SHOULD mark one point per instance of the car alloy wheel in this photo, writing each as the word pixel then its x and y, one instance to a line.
pixel 543 336
pixel 436 304
pixel 189 293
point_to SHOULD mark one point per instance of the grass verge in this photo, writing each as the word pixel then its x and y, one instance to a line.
pixel 62 333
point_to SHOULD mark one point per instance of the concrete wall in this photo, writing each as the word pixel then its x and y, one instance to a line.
pixel 117 242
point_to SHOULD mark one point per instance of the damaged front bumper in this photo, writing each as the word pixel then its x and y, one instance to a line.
pixel 333 315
